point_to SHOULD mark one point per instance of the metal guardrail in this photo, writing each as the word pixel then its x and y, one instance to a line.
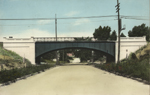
pixel 66 39
pixel 70 39
pixel 48 39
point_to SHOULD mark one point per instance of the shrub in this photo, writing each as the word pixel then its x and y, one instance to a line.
pixel 134 68
pixel 12 75
pixel 131 66
pixel 133 56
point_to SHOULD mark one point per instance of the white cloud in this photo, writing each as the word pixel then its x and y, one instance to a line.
pixel 43 22
pixel 35 33
pixel 40 33
pixel 30 33
pixel 72 13
pixel 81 21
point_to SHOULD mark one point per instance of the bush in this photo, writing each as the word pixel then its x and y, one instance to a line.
pixel 134 68
pixel 133 56
pixel 12 75
pixel 138 68
pixel 1 44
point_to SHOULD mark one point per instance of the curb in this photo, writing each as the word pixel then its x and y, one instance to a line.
pixel 127 76
pixel 24 77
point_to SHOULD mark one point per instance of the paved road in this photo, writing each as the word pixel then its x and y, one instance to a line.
pixel 75 80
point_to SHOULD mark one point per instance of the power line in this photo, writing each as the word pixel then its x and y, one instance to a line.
pixel 52 24
pixel 89 17
pixel 122 16
pixel 135 17
pixel 25 24
pixel 59 18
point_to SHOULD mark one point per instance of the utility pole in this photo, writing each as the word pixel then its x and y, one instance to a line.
pixel 119 28
pixel 92 56
pixel 56 27
pixel 63 57
pixel 56 38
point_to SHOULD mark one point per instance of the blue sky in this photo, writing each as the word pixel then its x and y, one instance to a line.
pixel 22 9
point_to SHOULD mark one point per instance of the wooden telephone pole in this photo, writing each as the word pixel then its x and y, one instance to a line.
pixel 119 28
pixel 57 62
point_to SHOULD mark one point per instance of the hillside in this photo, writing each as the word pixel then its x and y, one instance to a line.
pixel 143 52
pixel 9 59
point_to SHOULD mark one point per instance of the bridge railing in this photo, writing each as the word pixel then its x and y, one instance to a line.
pixel 17 39
pixel 62 39
pixel 133 38
pixel 59 39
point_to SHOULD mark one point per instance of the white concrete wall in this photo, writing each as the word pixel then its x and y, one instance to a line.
pixel 25 47
pixel 128 45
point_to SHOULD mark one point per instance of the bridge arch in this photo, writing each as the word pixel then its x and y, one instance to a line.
pixel 107 48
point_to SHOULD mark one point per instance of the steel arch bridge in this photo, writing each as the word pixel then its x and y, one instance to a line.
pixel 107 47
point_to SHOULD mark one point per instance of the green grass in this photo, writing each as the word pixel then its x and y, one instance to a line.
pixel 8 57
pixel 11 54
pixel 134 67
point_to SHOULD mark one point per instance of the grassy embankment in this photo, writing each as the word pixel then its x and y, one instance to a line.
pixel 137 65
pixel 10 60
pixel 12 66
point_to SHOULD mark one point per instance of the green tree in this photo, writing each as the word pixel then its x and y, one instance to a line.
pixel 113 36
pixel 63 55
pixel 102 33
pixel 83 54
pixel 139 31
pixel 122 35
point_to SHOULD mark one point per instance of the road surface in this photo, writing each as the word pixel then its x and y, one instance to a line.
pixel 75 80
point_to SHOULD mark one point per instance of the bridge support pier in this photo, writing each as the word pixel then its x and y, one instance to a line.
pixel 38 60
pixel 109 59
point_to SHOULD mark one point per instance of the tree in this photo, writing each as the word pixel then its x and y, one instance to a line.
pixel 83 54
pixel 139 31
pixel 102 33
pixel 113 36
pixel 122 35
pixel 63 55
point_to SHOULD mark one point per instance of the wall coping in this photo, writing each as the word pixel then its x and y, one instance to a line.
pixel 41 39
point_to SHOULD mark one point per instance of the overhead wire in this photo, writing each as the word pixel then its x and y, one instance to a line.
pixel 135 17
pixel 58 18
pixel 52 24
pixel 121 16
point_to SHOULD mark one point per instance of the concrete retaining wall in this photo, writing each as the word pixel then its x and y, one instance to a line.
pixel 129 45
pixel 25 47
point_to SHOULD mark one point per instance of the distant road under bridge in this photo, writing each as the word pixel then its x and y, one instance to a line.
pixel 33 48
